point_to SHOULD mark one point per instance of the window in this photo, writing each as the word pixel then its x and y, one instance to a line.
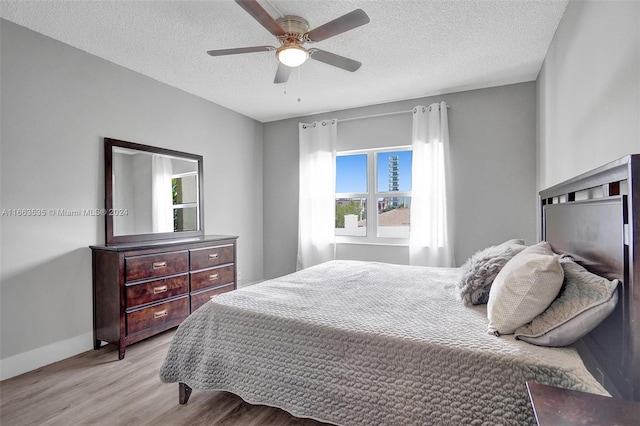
pixel 373 184
pixel 184 189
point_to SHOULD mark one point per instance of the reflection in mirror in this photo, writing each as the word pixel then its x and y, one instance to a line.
pixel 154 192
pixel 159 192
pixel 185 201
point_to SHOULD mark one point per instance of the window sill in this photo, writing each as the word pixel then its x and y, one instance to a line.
pixel 372 243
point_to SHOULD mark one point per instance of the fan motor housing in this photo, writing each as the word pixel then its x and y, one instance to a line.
pixel 292 24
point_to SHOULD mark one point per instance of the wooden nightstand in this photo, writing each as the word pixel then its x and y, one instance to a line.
pixel 563 407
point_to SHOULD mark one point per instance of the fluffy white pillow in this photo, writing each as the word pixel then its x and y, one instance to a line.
pixel 524 288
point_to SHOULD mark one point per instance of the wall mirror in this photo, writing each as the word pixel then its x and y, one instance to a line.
pixel 151 193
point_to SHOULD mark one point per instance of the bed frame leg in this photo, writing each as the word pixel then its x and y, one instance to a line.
pixel 184 393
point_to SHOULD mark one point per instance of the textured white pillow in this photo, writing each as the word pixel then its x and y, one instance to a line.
pixel 524 288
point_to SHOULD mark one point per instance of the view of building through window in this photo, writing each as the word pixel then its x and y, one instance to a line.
pixel 387 198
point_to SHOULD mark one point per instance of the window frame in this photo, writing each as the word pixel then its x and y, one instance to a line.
pixel 371 197
pixel 187 205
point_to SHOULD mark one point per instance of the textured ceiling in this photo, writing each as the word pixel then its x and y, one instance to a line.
pixel 410 49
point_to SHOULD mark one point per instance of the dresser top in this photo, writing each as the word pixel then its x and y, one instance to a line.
pixel 141 245
pixel 554 406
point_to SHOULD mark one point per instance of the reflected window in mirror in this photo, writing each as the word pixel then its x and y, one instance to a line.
pixel 185 201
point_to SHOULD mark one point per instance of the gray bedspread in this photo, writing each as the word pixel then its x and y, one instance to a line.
pixel 360 343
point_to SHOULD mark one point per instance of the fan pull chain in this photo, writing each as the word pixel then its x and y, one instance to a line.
pixel 284 85
pixel 299 82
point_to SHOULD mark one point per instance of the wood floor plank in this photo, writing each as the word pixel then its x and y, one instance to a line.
pixel 95 388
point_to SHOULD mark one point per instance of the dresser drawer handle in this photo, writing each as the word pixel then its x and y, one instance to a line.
pixel 214 277
pixel 160 289
pixel 213 256
pixel 160 314
pixel 159 265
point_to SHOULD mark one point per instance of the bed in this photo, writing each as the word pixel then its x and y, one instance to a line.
pixel 363 343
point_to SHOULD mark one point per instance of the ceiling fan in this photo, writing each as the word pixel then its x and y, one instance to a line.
pixel 292 32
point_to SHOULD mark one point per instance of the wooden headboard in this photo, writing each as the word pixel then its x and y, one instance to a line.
pixel 595 217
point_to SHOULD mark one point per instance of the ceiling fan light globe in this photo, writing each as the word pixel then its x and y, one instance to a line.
pixel 292 56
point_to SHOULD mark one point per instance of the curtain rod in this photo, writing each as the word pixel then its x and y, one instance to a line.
pixel 374 115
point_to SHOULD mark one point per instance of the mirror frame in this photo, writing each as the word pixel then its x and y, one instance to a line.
pixel 111 239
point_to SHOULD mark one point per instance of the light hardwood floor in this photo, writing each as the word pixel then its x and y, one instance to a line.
pixel 94 388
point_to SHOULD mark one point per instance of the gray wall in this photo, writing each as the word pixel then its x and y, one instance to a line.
pixel 57 103
pixel 588 91
pixel 493 149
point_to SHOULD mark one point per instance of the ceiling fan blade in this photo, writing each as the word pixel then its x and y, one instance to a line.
pixel 339 25
pixel 222 52
pixel 335 60
pixel 254 9
pixel 282 75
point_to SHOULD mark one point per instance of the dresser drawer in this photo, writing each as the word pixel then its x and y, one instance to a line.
pixel 157 315
pixel 211 256
pixel 200 298
pixel 212 277
pixel 155 290
pixel 155 265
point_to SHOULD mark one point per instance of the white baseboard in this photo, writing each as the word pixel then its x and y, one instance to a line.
pixel 39 357
pixel 246 283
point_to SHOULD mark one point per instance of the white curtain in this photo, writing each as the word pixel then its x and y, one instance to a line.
pixel 316 217
pixel 161 194
pixel 431 225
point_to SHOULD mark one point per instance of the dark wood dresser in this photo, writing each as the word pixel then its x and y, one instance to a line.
pixel 141 289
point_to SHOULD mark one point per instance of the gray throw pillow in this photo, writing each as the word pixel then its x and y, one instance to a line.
pixel 584 301
pixel 482 268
